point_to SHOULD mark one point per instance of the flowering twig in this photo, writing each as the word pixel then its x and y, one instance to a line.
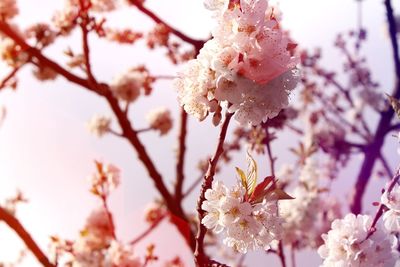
pixel 109 216
pixel 381 208
pixel 11 75
pixel 200 257
pixel 14 224
pixel 85 42
pixel 372 154
pixel 127 130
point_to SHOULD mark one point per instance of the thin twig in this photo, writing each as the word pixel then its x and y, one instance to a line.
pixel 9 77
pixel 379 213
pixel 201 258
pixel 280 251
pixel 198 44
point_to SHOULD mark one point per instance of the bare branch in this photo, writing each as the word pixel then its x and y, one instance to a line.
pixel 14 224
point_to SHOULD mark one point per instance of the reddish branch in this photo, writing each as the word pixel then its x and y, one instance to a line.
pixel 180 176
pixel 198 44
pixel 381 208
pixel 11 75
pixel 14 224
pixel 201 258
pixel 373 150
pixel 127 130
pixel 272 159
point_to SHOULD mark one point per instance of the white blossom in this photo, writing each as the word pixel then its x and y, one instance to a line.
pixel 127 86
pixel 99 125
pixel 122 256
pixel 247 66
pixel 106 178
pixel 391 217
pixel 160 120
pixel 346 244
pixel 246 226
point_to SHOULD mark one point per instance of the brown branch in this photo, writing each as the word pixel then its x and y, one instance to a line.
pixel 11 75
pixel 180 176
pixel 128 132
pixel 14 224
pixel 373 151
pixel 201 258
pixel 85 43
pixel 35 53
pixel 198 44
pixel 381 208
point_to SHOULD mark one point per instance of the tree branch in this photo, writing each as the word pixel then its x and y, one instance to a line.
pixel 201 258
pixel 180 176
pixel 198 44
pixel 128 132
pixel 373 151
pixel 14 224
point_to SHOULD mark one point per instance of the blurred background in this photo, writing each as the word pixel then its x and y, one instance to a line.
pixel 47 152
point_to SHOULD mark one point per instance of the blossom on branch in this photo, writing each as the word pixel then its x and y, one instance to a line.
pixel 105 179
pixel 8 9
pixel 160 120
pixel 247 213
pixel 391 217
pixel 128 86
pixel 249 66
pixel 346 244
pixel 99 125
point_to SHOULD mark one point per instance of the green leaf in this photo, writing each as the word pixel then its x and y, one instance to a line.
pixel 242 177
pixel 252 174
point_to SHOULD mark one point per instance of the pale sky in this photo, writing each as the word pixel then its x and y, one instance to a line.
pixel 47 152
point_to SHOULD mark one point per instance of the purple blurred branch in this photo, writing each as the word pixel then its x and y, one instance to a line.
pixel 372 153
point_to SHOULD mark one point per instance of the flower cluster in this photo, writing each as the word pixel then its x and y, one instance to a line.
pixel 99 125
pixel 249 65
pixel 105 179
pixel 160 120
pixel 12 53
pixel 122 256
pixel 96 245
pixel 8 9
pixel 391 217
pixel 309 214
pixel 42 34
pixel 127 86
pixel 154 212
pixel 65 19
pixel 346 244
pixel 246 213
